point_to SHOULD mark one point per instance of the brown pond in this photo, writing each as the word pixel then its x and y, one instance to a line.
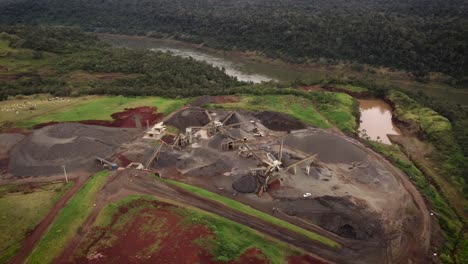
pixel 376 120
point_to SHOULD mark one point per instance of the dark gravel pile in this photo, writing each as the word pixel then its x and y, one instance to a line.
pixel 7 141
pixel 72 144
pixel 245 184
pixel 279 122
pixel 330 148
pixel 193 116
pixel 216 168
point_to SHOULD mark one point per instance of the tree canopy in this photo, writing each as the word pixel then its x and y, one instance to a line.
pixel 419 36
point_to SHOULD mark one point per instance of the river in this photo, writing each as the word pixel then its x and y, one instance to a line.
pixel 257 69
pixel 376 120
pixel 242 70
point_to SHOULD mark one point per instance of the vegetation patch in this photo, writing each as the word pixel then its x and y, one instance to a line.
pixel 339 108
pixel 28 111
pixel 23 207
pixel 49 59
pixel 253 212
pixel 447 162
pixel 447 218
pixel 68 221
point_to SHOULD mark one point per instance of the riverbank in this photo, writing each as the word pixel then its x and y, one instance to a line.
pixel 255 64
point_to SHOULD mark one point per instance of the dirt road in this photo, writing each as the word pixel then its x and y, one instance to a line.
pixel 32 239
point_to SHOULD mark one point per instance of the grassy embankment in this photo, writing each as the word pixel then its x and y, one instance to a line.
pixel 252 212
pixel 340 109
pixel 448 220
pixel 229 242
pixel 68 221
pixel 22 208
pixel 16 112
pixel 445 164
pixel 294 106
pixel 352 88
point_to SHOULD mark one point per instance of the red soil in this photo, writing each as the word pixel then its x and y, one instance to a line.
pixel 128 118
pixel 134 242
pixel 304 259
pixel 4 165
pixel 252 256
pixel 274 185
pixel 225 99
pixel 124 161
pixel 175 239
pixel 13 130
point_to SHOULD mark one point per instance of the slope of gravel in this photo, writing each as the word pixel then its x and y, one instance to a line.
pixel 329 147
pixel 72 144
pixel 7 141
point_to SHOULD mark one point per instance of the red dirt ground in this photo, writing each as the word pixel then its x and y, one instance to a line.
pixel 13 130
pixel 251 256
pixel 274 185
pixel 304 259
pixel 124 161
pixel 126 118
pixel 225 99
pixel 175 237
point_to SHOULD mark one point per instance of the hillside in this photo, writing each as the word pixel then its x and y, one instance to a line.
pixel 418 36
pixel 67 61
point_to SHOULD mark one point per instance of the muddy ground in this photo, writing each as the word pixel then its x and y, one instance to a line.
pixel 157 233
pixel 129 118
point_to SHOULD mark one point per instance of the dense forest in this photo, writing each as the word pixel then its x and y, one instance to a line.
pixel 67 61
pixel 419 36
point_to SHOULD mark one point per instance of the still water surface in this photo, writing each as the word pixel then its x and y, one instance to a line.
pixel 376 120
pixel 244 71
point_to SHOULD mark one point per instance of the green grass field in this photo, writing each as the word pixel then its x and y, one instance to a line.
pixel 230 239
pixel 22 207
pixel 294 106
pixel 341 109
pixel 68 221
pixel 80 108
pixel 444 164
pixel 351 88
pixel 253 212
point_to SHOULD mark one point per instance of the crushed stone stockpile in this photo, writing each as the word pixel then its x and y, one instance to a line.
pixel 190 117
pixel 72 144
pixel 336 214
pixel 279 122
pixel 245 184
pixel 7 141
pixel 329 147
